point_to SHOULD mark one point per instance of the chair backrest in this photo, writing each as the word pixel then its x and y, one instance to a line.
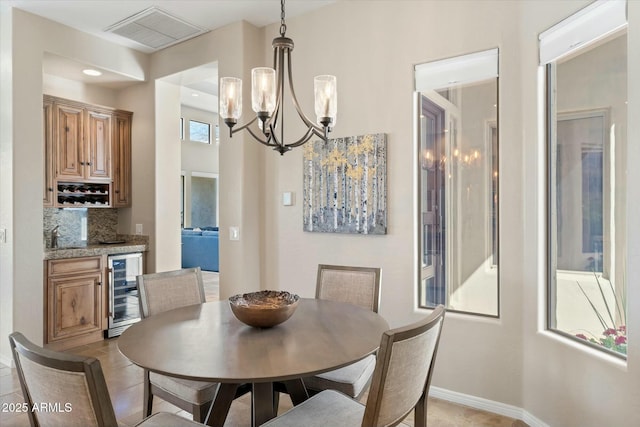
pixel 403 372
pixel 61 389
pixel 355 285
pixel 170 289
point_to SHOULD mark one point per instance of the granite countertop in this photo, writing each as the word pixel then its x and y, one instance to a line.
pixel 96 249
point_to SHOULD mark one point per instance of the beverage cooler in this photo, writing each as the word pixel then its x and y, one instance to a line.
pixel 124 305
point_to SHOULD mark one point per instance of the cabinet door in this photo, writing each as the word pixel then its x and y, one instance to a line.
pixel 97 159
pixel 68 143
pixel 121 160
pixel 48 195
pixel 75 305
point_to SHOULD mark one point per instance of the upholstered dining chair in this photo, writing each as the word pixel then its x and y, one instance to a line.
pixel 355 285
pixel 75 385
pixel 400 384
pixel 164 291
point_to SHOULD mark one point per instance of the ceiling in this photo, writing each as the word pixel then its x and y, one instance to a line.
pixel 95 16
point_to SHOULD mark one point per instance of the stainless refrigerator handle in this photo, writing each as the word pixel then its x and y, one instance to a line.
pixel 111 291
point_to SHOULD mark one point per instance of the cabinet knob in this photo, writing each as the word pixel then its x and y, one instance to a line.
pixel 88 163
pixel 117 191
pixel 50 189
pixel 82 163
pixel 99 283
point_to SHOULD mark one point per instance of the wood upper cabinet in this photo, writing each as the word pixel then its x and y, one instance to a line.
pixel 121 149
pixel 48 193
pixel 81 141
pixel 75 294
pixel 86 144
pixel 68 143
pixel 97 158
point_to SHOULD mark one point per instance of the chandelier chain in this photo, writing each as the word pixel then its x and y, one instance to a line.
pixel 283 26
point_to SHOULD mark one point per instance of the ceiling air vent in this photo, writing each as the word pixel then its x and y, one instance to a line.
pixel 155 28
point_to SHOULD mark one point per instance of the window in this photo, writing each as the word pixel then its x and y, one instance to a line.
pixel 586 193
pixel 199 132
pixel 457 119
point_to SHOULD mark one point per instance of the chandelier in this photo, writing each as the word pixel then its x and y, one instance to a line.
pixel 267 96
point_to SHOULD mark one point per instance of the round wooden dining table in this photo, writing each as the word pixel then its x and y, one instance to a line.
pixel 206 342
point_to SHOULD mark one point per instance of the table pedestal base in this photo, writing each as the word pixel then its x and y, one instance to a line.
pixel 264 400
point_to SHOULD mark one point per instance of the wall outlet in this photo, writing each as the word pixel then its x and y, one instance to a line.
pixel 138 229
pixel 83 228
pixel 234 233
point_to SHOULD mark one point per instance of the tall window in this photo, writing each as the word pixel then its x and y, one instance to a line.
pixel 587 120
pixel 457 108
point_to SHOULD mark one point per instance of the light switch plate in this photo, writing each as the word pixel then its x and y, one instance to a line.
pixel 139 229
pixel 287 198
pixel 234 233
pixel 3 235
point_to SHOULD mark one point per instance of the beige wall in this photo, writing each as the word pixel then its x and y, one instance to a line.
pixel 237 48
pixel 25 39
pixel 564 384
pixel 373 59
pixel 6 181
pixel 196 156
pixel 511 360
pixel 371 47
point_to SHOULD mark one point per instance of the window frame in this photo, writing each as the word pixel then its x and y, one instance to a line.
pixel 552 118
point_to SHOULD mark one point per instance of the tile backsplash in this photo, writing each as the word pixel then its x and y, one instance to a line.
pixel 80 226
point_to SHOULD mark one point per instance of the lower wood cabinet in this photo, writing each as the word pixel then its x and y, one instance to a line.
pixel 75 306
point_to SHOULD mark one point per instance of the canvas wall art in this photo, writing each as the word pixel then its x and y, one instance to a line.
pixel 345 185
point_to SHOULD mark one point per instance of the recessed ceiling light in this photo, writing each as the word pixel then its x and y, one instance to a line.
pixel 195 94
pixel 92 72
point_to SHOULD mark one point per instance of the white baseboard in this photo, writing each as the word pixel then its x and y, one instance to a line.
pixel 7 361
pixel 486 405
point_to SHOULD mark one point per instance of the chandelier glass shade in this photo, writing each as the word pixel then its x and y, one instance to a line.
pixel 267 100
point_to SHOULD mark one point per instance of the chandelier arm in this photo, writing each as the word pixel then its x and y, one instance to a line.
pixel 245 126
pixel 252 133
pixel 266 142
pixel 306 137
pixel 296 104
pixel 310 132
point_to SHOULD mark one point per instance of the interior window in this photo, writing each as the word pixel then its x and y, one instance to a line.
pixel 457 119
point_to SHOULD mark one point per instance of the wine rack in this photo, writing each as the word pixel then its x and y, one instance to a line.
pixel 73 194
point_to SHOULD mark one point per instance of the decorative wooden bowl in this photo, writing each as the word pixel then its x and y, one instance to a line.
pixel 264 309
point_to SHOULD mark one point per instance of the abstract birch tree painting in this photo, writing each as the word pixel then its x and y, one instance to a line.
pixel 345 185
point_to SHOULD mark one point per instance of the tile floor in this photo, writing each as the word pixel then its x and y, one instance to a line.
pixel 124 381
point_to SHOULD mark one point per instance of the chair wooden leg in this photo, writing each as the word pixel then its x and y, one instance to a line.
pixel 148 396
pixel 420 412
pixel 200 412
